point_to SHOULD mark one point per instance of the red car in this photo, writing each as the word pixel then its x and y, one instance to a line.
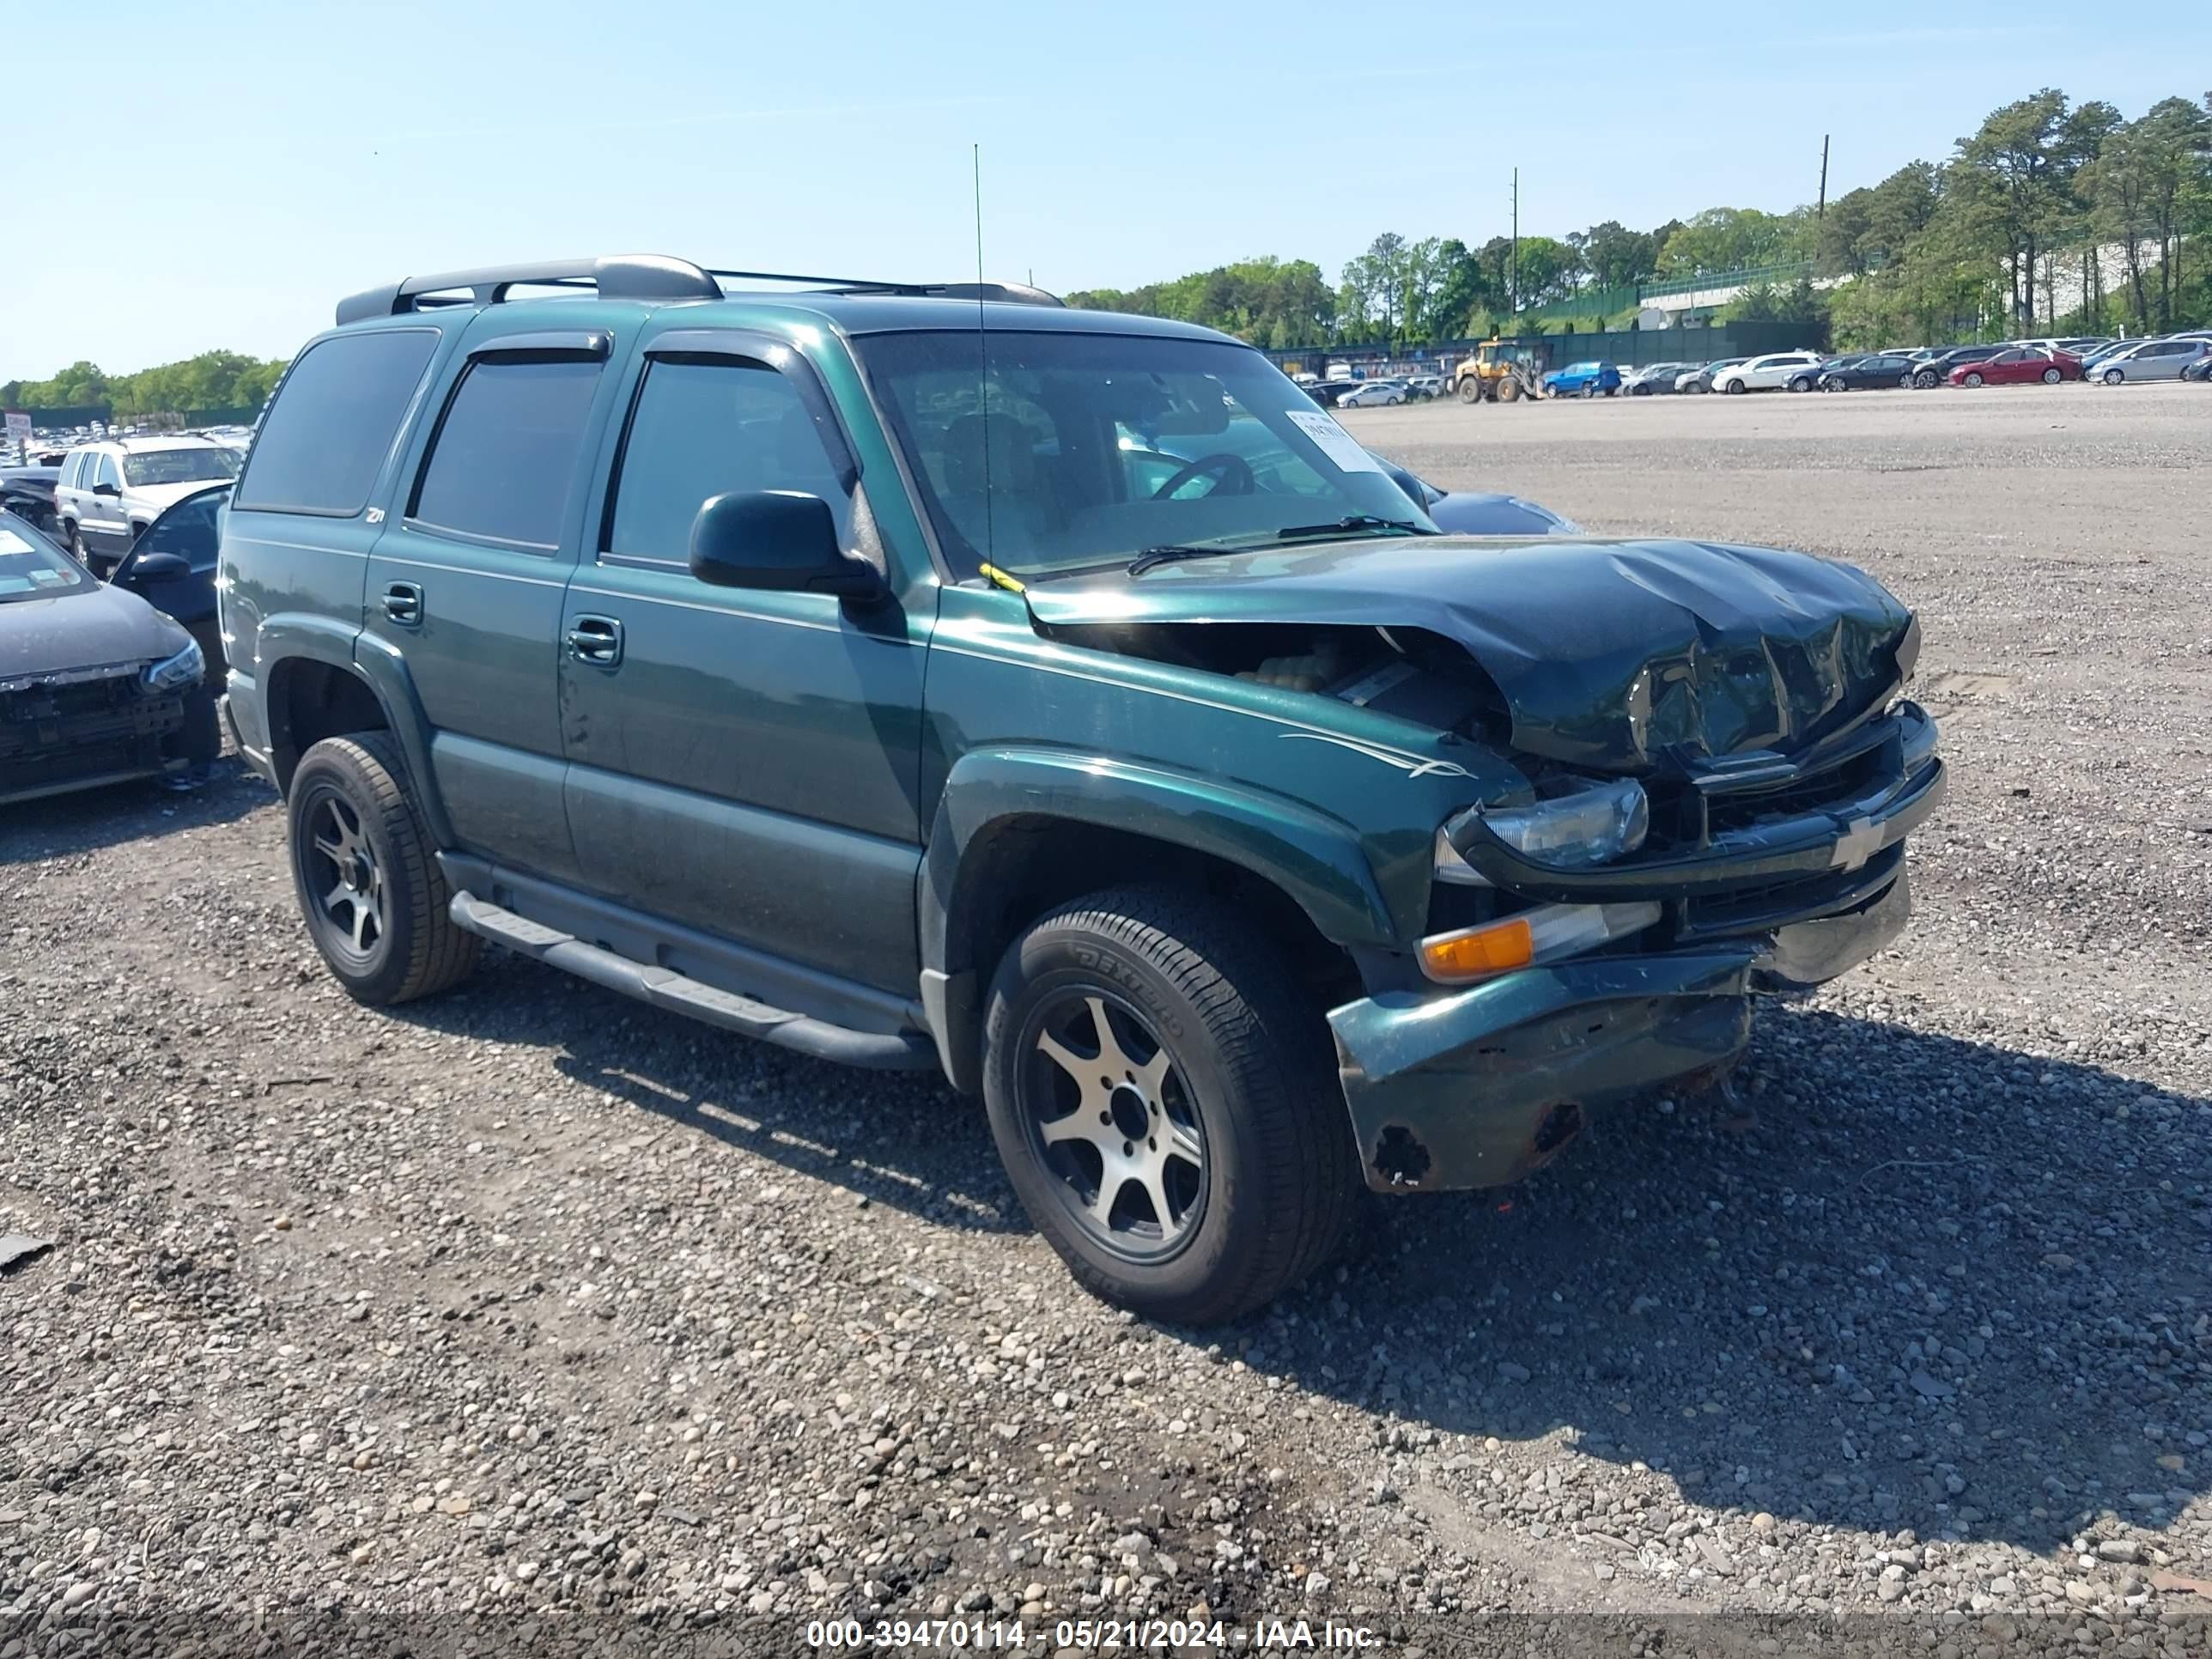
pixel 2018 367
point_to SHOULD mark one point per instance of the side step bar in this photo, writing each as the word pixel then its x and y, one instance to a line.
pixel 665 988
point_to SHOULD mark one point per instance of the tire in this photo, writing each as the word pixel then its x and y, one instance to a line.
pixel 1588 389
pixel 2051 377
pixel 1242 1071
pixel 395 942
pixel 1925 380
pixel 1969 378
pixel 2114 376
pixel 1735 388
pixel 1639 390
pixel 1470 389
pixel 73 541
pixel 1799 383
pixel 1832 384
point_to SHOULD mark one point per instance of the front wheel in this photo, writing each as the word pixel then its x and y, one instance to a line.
pixel 1590 389
pixel 1735 388
pixel 369 884
pixel 1165 1102
pixel 1924 380
pixel 2113 376
pixel 73 539
pixel 1969 378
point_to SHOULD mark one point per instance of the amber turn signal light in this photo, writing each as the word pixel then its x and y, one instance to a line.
pixel 1476 951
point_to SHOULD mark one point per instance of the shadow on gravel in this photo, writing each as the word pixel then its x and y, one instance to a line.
pixel 60 825
pixel 1922 1283
pixel 898 1138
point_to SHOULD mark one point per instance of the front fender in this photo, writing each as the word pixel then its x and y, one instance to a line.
pixel 1315 860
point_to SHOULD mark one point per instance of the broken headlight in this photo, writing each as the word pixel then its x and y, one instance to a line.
pixel 1919 736
pixel 174 673
pixel 1596 823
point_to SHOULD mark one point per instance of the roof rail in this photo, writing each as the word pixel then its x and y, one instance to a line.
pixel 638 276
pixel 616 276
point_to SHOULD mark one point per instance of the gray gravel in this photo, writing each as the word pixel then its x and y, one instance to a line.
pixel 529 1305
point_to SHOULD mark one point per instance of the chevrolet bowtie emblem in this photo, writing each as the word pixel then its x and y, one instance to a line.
pixel 1858 843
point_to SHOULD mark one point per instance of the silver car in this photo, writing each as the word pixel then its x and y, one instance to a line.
pixel 2154 359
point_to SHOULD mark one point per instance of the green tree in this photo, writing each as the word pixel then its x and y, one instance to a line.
pixel 2013 183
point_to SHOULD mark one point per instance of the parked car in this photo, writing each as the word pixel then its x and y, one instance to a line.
pixel 94 681
pixel 172 567
pixel 28 491
pixel 1701 380
pixel 108 492
pixel 1479 512
pixel 1583 380
pixel 1876 369
pixel 1936 371
pixel 1806 378
pixel 1653 379
pixel 1372 394
pixel 2020 366
pixel 2199 370
pixel 2150 360
pixel 1423 387
pixel 1329 394
pixel 1766 373
pixel 755 661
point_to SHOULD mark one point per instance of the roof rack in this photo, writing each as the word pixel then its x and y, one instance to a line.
pixel 638 276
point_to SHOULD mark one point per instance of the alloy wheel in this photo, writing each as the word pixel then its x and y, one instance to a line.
pixel 345 871
pixel 1109 1117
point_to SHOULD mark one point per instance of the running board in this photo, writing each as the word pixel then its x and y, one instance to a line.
pixel 665 988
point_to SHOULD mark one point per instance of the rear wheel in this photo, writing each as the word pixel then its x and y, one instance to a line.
pixel 1165 1103
pixel 1590 389
pixel 372 894
pixel 2051 377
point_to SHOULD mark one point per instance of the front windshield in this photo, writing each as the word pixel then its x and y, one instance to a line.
pixel 1091 448
pixel 32 568
pixel 176 466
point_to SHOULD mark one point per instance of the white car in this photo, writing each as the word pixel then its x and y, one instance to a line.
pixel 109 491
pixel 1765 373
pixel 1370 393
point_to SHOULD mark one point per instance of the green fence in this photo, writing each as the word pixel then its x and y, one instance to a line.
pixel 1747 277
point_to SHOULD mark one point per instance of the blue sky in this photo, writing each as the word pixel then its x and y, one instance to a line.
pixel 259 160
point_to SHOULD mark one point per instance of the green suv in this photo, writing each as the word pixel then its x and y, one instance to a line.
pixel 931 675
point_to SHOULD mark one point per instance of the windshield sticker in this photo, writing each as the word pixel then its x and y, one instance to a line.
pixel 11 543
pixel 43 575
pixel 1334 441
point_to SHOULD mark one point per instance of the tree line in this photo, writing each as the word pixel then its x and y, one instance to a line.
pixel 213 380
pixel 2052 216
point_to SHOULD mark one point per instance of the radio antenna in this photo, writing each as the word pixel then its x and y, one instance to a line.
pixel 983 363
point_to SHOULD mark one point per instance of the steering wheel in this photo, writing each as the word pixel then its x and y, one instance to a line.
pixel 1234 473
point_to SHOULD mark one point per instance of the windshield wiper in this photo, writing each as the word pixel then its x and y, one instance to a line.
pixel 1355 521
pixel 1152 556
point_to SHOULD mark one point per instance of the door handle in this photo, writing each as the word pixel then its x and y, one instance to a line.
pixel 402 603
pixel 597 641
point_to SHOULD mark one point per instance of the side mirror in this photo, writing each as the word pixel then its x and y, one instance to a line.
pixel 158 568
pixel 112 491
pixel 781 539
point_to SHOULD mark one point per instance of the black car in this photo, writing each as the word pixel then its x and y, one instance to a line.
pixel 96 686
pixel 28 493
pixel 1933 371
pixel 1879 369
pixel 2199 370
pixel 1326 392
pixel 172 567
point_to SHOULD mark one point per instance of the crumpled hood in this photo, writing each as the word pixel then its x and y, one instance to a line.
pixel 86 628
pixel 1625 656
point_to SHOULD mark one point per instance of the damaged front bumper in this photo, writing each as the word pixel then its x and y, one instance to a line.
pixel 1478 1087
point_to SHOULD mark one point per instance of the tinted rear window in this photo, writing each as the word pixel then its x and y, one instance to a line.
pixel 508 450
pixel 326 437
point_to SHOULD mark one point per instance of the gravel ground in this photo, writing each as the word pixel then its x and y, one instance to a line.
pixel 530 1308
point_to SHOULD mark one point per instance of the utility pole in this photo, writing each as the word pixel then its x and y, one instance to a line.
pixel 1822 212
pixel 1514 278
